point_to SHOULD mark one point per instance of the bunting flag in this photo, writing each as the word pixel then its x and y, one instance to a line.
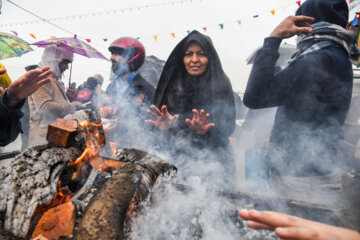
pixel 188 31
pixel 88 40
pixel 204 28
pixel 137 38
pixel 256 16
pixel 298 3
pixel 15 33
pixel 105 39
pixel 221 26
pixel 355 21
pixel 273 12
pixel 32 35
pixel 155 37
pixel 239 21
pixel 173 35
pixel 52 37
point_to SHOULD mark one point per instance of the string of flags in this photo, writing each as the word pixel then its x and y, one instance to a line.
pixel 172 34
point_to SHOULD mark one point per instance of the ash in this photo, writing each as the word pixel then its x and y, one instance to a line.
pixel 196 214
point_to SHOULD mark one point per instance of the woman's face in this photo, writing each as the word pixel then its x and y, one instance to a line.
pixel 195 59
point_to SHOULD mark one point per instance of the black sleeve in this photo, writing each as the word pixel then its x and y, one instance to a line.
pixel 10 126
pixel 264 88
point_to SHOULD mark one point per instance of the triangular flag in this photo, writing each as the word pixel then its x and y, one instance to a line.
pixel 204 28
pixel 15 33
pixel 298 3
pixel 32 35
pixel 173 35
pixel 137 38
pixel 88 39
pixel 155 37
pixel 221 26
pixel 105 39
pixel 256 16
pixel 188 31
pixel 273 12
pixel 239 21
pixel 355 21
pixel 52 37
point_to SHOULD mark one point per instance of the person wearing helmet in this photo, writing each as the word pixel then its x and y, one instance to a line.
pixel 128 91
pixel 127 56
pixel 50 101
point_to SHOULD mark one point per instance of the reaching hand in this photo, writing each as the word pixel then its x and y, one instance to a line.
pixel 78 105
pixel 27 85
pixel 291 227
pixel 71 93
pixel 293 25
pixel 199 122
pixel 161 120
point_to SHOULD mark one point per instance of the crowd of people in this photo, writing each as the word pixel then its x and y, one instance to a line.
pixel 193 106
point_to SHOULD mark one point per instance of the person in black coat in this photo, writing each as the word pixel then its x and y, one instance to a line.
pixel 312 92
pixel 194 102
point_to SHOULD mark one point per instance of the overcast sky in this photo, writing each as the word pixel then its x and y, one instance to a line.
pixel 109 19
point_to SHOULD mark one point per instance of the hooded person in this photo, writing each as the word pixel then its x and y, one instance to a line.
pixel 50 101
pixel 312 93
pixel 196 96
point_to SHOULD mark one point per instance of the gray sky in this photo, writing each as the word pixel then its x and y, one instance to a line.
pixel 98 19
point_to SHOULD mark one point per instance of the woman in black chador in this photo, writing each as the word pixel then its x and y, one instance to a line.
pixel 194 102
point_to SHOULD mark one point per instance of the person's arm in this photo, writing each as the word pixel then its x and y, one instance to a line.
pixel 291 227
pixel 264 88
pixel 13 99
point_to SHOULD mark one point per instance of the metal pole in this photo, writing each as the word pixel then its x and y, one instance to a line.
pixel 70 75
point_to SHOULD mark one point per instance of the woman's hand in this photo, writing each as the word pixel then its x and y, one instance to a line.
pixel 291 227
pixel 199 122
pixel 162 120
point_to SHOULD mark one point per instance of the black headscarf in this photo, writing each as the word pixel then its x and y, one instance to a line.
pixel 211 91
pixel 331 11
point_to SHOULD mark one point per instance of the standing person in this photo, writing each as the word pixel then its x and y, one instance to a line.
pixel 13 98
pixel 313 94
pixel 49 101
pixel 194 101
pixel 128 91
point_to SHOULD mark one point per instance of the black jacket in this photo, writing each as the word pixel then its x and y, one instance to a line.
pixel 10 126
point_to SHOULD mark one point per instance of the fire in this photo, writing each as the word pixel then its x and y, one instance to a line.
pixel 94 141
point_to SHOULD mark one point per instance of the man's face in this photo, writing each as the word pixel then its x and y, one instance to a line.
pixel 118 64
pixel 64 65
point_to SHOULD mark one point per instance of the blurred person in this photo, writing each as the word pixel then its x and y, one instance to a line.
pixel 50 101
pixel 99 94
pixel 194 101
pixel 86 95
pixel 313 94
pixel 292 227
pixel 13 98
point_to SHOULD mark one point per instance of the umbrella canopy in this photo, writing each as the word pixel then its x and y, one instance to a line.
pixel 74 45
pixel 12 46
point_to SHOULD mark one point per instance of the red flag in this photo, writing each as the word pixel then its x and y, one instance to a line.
pixel 88 39
pixel 52 37
pixel 32 35
pixel 173 35
pixel 239 22
pixel 298 3
pixel 204 29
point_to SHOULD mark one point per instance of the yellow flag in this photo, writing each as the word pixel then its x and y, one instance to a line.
pixel 273 12
pixel 4 79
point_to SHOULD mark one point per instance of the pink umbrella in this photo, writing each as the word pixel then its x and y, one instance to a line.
pixel 74 45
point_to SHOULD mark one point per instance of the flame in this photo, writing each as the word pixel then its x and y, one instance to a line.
pixel 113 147
pixel 94 141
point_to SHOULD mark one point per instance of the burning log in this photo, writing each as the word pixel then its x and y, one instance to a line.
pixel 31 179
pixel 105 216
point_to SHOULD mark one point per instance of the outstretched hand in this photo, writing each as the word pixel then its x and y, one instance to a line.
pixel 162 120
pixel 27 84
pixel 293 25
pixel 291 227
pixel 199 122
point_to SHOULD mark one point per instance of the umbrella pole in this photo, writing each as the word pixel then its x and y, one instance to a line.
pixel 70 75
